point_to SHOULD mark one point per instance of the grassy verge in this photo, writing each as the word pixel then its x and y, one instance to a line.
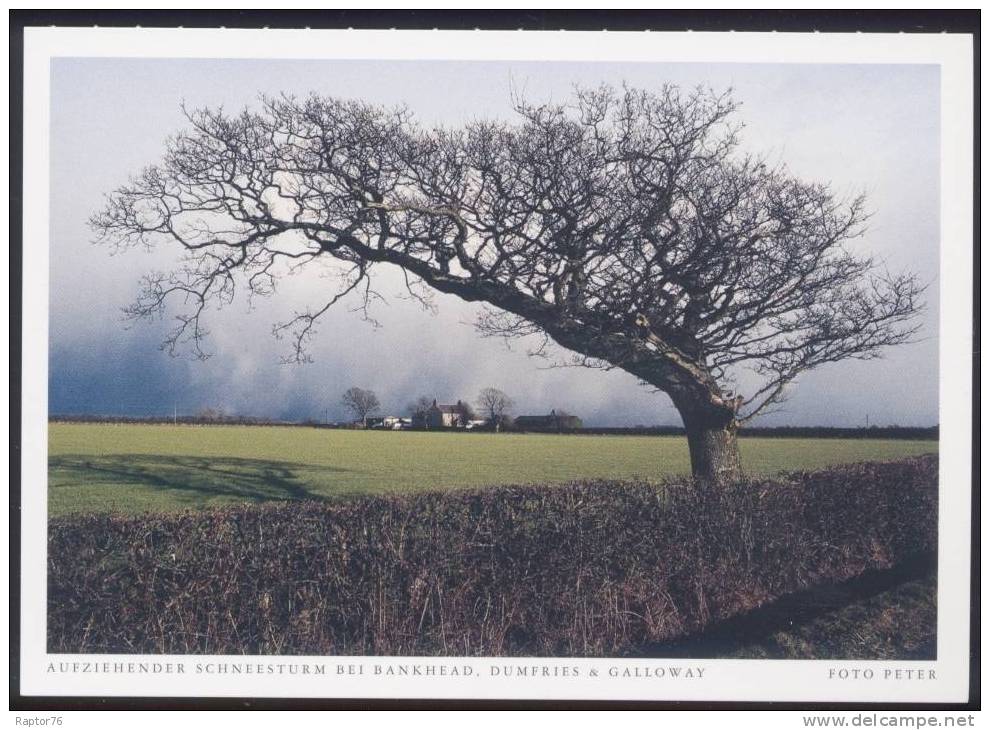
pixel 897 624
pixel 889 614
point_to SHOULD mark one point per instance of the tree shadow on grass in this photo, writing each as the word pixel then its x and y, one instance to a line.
pixel 188 478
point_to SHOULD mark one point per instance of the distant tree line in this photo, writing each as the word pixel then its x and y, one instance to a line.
pixel 875 432
pixel 198 419
pixel 926 433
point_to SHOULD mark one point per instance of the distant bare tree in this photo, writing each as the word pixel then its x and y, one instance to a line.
pixel 211 414
pixel 495 406
pixel 362 403
pixel 467 412
pixel 420 407
pixel 625 226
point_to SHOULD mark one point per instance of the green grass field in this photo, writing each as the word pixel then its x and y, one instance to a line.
pixel 134 468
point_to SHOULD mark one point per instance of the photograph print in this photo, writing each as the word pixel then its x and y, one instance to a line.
pixel 625 364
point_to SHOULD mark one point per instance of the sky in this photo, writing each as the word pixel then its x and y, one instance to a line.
pixel 860 128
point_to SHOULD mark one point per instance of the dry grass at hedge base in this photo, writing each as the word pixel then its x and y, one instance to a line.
pixel 589 569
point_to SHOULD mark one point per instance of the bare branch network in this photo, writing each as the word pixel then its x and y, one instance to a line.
pixel 625 225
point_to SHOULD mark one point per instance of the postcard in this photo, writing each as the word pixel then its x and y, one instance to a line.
pixel 496 365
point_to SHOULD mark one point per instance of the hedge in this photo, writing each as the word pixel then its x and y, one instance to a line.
pixel 584 569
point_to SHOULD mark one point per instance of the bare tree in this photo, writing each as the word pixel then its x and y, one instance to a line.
pixel 495 405
pixel 466 411
pixel 362 403
pixel 419 408
pixel 626 226
pixel 209 414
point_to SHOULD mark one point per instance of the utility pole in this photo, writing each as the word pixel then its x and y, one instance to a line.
pixel 175 414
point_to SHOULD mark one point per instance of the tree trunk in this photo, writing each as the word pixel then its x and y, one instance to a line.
pixel 714 453
pixel 712 442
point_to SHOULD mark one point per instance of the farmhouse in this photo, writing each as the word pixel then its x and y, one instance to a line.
pixel 441 415
pixel 552 422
